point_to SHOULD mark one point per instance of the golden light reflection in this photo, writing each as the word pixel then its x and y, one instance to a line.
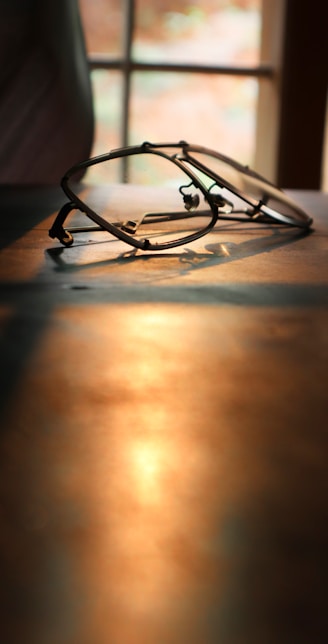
pixel 224 250
pixel 162 468
pixel 129 459
pixel 147 466
pixel 156 520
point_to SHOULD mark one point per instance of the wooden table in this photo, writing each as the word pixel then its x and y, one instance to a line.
pixel 164 435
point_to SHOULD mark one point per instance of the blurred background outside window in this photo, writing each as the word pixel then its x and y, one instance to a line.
pixel 134 102
pixel 211 109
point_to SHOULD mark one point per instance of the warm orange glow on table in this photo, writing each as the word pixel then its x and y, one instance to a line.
pixel 163 461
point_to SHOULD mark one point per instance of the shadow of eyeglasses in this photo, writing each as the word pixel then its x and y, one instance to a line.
pixel 216 253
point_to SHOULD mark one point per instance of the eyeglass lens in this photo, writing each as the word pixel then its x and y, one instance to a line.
pixel 254 189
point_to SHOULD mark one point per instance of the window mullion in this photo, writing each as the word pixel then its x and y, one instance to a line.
pixel 126 68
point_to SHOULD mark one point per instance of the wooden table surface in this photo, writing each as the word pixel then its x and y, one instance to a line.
pixel 164 434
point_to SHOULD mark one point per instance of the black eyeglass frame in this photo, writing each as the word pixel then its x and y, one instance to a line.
pixel 258 212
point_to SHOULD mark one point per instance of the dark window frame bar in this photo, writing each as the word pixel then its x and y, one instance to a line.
pixel 304 86
pixel 99 61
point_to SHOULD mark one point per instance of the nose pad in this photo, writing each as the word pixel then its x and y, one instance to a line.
pixel 191 202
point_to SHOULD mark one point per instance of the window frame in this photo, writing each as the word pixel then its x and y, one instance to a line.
pixel 284 27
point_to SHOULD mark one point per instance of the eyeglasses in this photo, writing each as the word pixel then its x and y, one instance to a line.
pixel 170 194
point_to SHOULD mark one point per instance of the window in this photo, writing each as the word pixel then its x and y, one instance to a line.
pixel 168 71
pixel 208 72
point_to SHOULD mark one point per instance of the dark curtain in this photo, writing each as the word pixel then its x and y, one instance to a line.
pixel 46 111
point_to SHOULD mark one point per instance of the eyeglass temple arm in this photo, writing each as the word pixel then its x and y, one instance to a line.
pixel 57 230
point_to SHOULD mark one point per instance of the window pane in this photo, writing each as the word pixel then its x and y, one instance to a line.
pixel 107 92
pixel 215 111
pixel 103 25
pixel 209 32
